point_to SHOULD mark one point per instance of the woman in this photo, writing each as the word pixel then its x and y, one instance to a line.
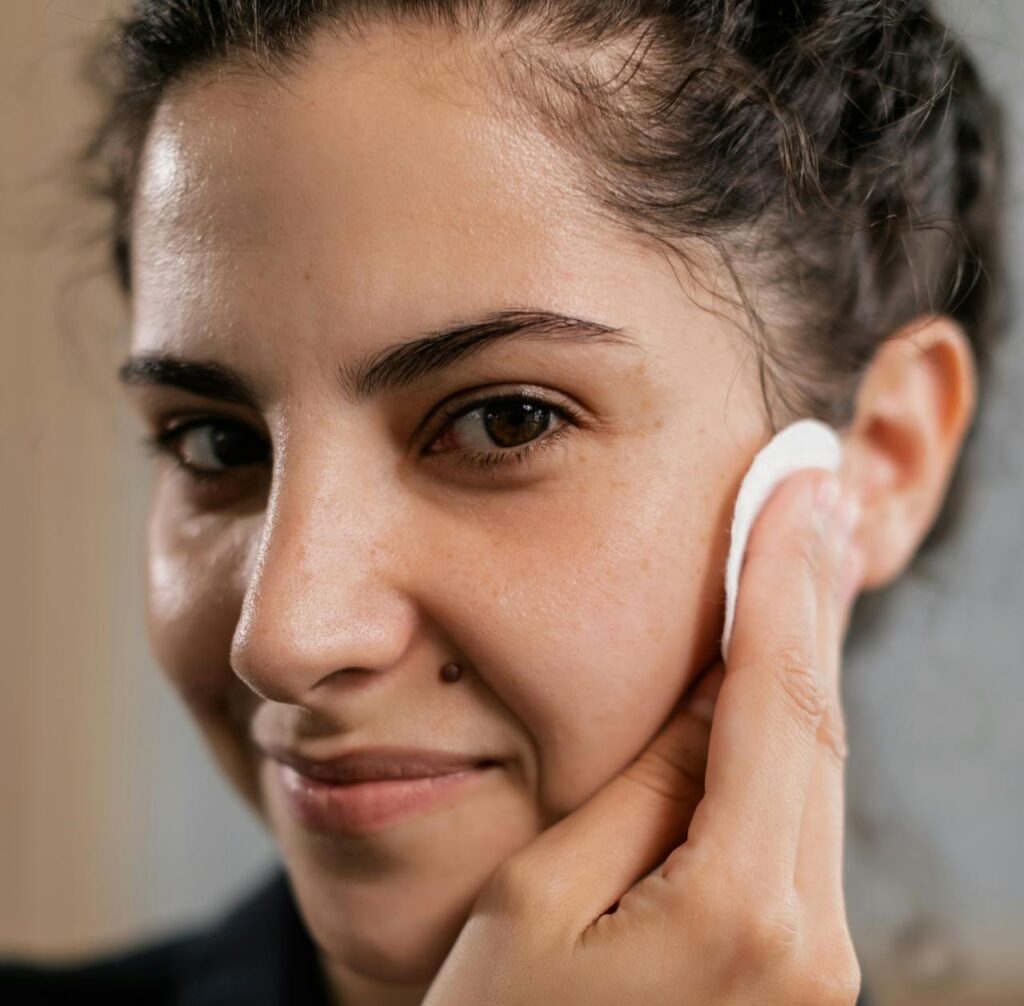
pixel 455 327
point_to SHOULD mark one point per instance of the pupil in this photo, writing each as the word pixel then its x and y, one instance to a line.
pixel 235 447
pixel 510 424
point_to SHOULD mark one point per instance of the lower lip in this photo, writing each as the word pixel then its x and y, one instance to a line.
pixel 361 808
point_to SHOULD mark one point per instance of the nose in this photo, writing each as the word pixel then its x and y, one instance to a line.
pixel 323 596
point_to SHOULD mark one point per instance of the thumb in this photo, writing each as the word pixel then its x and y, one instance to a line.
pixel 585 862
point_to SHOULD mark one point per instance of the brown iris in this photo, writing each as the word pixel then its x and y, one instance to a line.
pixel 514 422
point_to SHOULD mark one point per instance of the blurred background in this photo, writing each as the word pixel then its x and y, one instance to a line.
pixel 113 824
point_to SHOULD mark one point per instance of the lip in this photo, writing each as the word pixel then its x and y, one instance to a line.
pixel 360 792
pixel 377 763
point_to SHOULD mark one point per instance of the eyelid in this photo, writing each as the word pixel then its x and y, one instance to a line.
pixel 177 416
pixel 457 407
pixel 175 426
pixel 170 432
pixel 180 425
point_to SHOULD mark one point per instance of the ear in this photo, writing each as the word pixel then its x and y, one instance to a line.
pixel 914 405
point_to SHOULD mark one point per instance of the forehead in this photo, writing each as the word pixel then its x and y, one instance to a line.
pixel 378 191
pixel 386 125
pixel 383 159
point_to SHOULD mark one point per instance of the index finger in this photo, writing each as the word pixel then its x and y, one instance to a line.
pixel 764 736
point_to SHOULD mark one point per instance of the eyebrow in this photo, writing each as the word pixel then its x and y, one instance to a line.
pixel 390 369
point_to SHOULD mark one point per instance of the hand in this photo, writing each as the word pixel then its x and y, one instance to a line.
pixel 709 871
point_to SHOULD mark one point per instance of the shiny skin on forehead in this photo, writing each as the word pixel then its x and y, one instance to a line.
pixel 362 163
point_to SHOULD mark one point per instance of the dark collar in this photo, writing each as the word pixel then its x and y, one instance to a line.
pixel 260 954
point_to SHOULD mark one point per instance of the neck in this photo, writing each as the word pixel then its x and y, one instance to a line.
pixel 347 987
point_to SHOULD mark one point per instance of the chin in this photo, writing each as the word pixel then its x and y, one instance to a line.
pixel 389 905
pixel 385 934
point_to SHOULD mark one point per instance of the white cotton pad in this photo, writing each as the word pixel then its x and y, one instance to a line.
pixel 807 443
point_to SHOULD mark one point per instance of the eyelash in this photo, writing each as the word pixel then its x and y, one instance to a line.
pixel 491 461
pixel 165 441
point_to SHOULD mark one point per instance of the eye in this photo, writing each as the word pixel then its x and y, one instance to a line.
pixel 515 424
pixel 208 447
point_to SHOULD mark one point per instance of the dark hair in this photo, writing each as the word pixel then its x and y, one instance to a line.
pixel 842 154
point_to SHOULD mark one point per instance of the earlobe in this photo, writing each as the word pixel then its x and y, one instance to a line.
pixel 914 405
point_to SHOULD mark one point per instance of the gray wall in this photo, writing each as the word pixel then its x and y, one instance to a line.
pixel 934 699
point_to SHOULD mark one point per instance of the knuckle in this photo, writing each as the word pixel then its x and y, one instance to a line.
pixel 515 888
pixel 849 978
pixel 767 937
pixel 797 676
pixel 832 734
pixel 713 890
pixel 836 983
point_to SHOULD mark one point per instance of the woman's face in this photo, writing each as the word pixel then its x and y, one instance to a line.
pixel 344 538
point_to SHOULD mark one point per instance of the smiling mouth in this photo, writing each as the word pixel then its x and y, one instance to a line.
pixel 363 806
pixel 376 763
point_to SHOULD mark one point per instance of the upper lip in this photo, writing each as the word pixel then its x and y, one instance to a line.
pixel 379 763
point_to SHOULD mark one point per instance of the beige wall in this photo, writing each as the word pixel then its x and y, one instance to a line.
pixel 60 520
pixel 113 825
pixel 104 783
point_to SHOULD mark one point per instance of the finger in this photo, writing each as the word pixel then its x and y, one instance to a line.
pixel 819 866
pixel 585 862
pixel 763 741
pixel 705 694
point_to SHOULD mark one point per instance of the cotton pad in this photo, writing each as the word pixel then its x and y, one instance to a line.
pixel 807 443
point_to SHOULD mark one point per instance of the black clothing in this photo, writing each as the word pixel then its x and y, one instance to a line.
pixel 260 954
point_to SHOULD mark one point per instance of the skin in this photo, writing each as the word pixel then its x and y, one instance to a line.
pixel 285 228
pixel 749 908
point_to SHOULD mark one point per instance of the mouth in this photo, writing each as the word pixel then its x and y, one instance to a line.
pixel 362 792
pixel 377 764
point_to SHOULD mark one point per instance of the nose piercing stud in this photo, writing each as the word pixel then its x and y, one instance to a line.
pixel 451 672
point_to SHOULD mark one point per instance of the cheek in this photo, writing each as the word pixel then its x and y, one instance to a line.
pixel 622 610
pixel 195 587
